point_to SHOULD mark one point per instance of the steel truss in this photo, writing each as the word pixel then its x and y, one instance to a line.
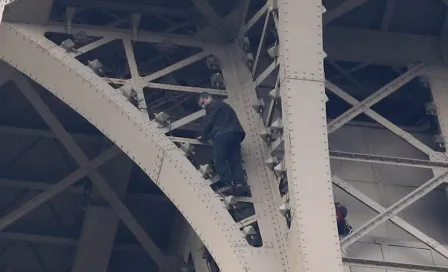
pixel 3 4
pixel 144 140
pixel 310 76
pixel 149 148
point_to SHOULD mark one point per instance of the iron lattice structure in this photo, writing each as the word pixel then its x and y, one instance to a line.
pixel 133 71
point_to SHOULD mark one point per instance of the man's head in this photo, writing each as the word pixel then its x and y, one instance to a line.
pixel 204 100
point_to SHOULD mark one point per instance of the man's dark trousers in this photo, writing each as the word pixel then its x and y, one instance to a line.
pixel 227 157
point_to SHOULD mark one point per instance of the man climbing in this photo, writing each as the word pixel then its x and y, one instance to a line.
pixel 221 125
pixel 344 227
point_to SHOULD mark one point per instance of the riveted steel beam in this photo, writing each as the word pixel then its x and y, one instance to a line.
pixel 345 186
pixel 58 187
pixel 81 158
pixel 342 9
pixel 393 265
pixel 262 182
pixel 343 44
pixel 313 240
pixel 380 119
pixel 391 211
pixel 388 89
pixel 3 4
pixel 140 138
pixel 369 158
pixel 375 116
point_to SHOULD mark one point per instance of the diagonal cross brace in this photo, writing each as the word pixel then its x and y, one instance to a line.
pixel 141 82
pixel 345 186
pixel 397 207
pixel 380 119
pixel 3 4
pixel 372 114
pixel 99 182
pixel 375 98
pixel 57 188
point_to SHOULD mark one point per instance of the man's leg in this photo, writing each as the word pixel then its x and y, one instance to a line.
pixel 236 165
pixel 220 154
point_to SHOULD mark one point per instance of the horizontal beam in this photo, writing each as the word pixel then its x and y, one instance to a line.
pixel 380 47
pixel 340 43
pixel 349 189
pixel 370 158
pixel 117 33
pixel 185 88
pixel 40 133
pixel 144 9
pixel 220 234
pixel 42 186
pixel 43 239
pixel 393 265
pixel 59 187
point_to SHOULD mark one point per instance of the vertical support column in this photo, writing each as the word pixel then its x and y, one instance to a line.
pixel 2 9
pixel 101 222
pixel 438 80
pixel 263 184
pixel 29 11
pixel 313 239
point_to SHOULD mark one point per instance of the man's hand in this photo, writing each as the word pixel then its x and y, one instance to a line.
pixel 200 139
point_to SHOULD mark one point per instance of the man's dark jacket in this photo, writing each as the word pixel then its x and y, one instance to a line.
pixel 220 119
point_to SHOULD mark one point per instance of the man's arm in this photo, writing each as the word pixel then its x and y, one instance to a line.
pixel 209 122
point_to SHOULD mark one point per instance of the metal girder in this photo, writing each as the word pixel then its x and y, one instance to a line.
pixel 58 187
pixel 130 56
pixel 375 116
pixel 340 43
pixel 185 88
pixel 393 265
pixel 30 11
pixel 6 130
pixel 252 21
pixel 262 182
pixel 93 45
pixel 182 122
pixel 381 47
pixel 266 73
pixel 43 239
pixel 117 33
pixel 394 219
pixel 388 89
pixel 340 10
pixel 144 9
pixel 212 17
pixel 101 223
pixel 74 83
pixel 409 162
pixel 261 42
pixel 3 4
pixel 381 120
pixel 313 240
pixel 391 211
pixel 81 158
pixel 140 82
pixel 437 78
pixel 42 186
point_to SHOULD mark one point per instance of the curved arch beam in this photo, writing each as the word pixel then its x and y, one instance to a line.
pixel 26 49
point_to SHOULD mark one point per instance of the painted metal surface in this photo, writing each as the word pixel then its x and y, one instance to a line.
pixel 313 240
pixel 149 148
pixel 311 244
